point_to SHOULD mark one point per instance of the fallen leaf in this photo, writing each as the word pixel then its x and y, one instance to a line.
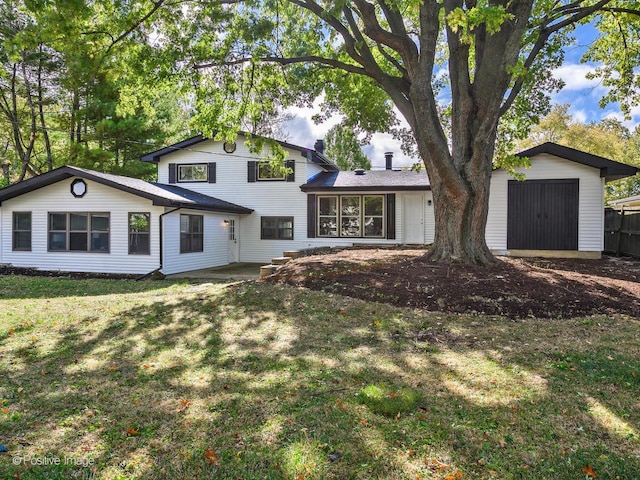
pixel 12 331
pixel 185 403
pixel 363 421
pixel 210 456
pixel 393 395
pixel 5 410
pixel 132 431
pixel 588 471
pixel 439 465
pixel 112 367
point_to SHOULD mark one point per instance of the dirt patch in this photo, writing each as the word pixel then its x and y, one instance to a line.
pixel 513 287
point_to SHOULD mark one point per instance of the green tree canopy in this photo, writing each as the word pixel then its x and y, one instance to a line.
pixel 343 148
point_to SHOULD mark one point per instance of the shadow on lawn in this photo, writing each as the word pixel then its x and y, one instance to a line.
pixel 263 381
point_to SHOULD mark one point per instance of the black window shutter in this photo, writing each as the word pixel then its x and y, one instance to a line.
pixel 172 172
pixel 311 216
pixel 251 171
pixel 211 172
pixel 292 165
pixel 391 216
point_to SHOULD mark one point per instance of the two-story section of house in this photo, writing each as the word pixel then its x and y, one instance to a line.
pixel 232 171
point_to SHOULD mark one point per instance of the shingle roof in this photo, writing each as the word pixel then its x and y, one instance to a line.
pixel 371 180
pixel 609 169
pixel 307 153
pixel 160 194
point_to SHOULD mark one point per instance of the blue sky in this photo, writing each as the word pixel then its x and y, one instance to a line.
pixel 583 96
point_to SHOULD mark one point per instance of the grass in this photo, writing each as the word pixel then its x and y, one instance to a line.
pixel 156 380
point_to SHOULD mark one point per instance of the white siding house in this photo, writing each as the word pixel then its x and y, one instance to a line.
pixel 218 203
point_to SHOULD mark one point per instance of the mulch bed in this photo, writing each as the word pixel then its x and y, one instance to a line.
pixel 512 287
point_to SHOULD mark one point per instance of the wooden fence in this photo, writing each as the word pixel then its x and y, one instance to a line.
pixel 622 232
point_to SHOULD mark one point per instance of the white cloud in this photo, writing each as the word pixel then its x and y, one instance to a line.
pixel 579 115
pixel 574 76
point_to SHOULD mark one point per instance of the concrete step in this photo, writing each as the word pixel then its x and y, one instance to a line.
pixel 292 253
pixel 267 270
pixel 280 260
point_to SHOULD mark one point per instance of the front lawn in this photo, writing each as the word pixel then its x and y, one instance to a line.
pixel 107 379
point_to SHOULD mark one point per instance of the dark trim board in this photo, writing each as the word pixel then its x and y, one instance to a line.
pixel 543 214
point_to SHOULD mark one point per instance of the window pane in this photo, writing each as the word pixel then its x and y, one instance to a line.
pixel 350 227
pixel 373 206
pixel 22 241
pixel 78 222
pixel 351 205
pixel 373 227
pixel 328 205
pixel 57 221
pixel 139 243
pixel 57 241
pixel 139 222
pixel 328 227
pixel 100 223
pixel 184 223
pixel 185 243
pixel 196 243
pixel 196 223
pixel 78 241
pixel 185 173
pixel 22 221
pixel 99 242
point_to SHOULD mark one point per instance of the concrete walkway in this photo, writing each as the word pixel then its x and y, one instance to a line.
pixel 233 272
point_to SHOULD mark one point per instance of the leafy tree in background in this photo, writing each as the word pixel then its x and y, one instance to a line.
pixel 343 148
pixel 608 138
pixel 374 60
pixel 67 70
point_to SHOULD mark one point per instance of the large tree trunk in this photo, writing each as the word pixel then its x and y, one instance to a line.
pixel 460 167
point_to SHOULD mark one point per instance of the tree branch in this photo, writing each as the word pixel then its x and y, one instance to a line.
pixel 288 61
pixel 546 30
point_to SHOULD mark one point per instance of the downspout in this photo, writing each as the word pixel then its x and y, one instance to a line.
pixel 161 227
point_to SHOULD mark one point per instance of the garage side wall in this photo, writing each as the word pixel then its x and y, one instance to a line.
pixel 546 167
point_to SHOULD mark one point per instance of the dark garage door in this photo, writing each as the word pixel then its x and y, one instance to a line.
pixel 542 215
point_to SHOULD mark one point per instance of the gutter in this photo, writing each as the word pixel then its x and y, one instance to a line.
pixel 161 244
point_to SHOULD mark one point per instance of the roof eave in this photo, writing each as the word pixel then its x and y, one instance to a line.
pixel 377 188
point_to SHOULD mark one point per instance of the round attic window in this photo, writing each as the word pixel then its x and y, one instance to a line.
pixel 229 147
pixel 78 188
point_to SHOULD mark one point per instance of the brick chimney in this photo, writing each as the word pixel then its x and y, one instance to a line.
pixel 388 160
pixel 319 146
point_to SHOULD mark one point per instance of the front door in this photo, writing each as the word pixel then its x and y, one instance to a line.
pixel 413 219
pixel 233 241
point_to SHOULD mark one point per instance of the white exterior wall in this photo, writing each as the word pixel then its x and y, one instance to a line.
pixel 215 248
pixel 266 198
pixel 549 167
pixel 99 198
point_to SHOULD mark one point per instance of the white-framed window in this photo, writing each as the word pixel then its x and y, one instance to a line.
pixel 355 216
pixel 78 232
pixel 196 172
